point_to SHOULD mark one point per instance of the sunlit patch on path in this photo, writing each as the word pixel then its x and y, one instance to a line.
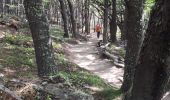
pixel 85 55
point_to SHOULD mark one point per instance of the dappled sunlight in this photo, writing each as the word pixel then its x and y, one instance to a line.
pixel 85 55
pixel 112 75
pixel 166 96
pixel 90 57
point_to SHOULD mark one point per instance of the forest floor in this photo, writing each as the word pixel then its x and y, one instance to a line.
pixel 85 54
pixel 17 65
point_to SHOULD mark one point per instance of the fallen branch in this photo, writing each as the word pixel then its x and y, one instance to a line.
pixel 7 94
pixel 102 51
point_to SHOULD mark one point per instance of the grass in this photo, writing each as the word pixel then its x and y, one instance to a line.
pixel 109 93
pixel 13 56
pixel 84 78
pixel 17 52
pixel 57 32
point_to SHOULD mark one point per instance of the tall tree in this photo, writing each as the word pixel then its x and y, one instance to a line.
pixel 64 17
pixel 113 25
pixel 2 7
pixel 87 16
pixel 73 21
pixel 134 37
pixel 152 71
pixel 105 23
pixel 41 37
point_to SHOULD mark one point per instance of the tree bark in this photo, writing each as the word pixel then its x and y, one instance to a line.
pixel 73 21
pixel 105 23
pixel 41 37
pixel 113 25
pixel 1 8
pixel 87 17
pixel 65 18
pixel 152 70
pixel 134 37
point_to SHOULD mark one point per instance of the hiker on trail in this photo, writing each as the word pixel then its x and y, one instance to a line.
pixel 98 30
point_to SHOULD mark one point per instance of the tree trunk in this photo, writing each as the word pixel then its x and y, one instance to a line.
pixel 87 16
pixel 152 70
pixel 73 21
pixel 64 17
pixel 105 24
pixel 41 37
pixel 134 36
pixel 7 3
pixel 113 25
pixel 1 8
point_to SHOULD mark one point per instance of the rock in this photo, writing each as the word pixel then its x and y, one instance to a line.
pixel 1 79
pixel 61 92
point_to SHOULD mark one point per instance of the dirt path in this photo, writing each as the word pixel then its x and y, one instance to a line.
pixel 85 55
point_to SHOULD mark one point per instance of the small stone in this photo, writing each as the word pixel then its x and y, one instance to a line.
pixel 44 83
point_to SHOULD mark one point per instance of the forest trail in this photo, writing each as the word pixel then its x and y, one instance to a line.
pixel 85 54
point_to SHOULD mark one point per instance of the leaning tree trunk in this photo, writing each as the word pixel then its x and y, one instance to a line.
pixel 65 18
pixel 113 25
pixel 41 37
pixel 134 36
pixel 105 24
pixel 73 21
pixel 152 70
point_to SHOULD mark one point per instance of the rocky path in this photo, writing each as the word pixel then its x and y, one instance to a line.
pixel 85 54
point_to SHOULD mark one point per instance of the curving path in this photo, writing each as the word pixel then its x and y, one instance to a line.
pixel 85 54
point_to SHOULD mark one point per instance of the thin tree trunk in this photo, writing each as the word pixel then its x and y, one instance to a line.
pixel 105 23
pixel 1 8
pixel 152 70
pixel 73 21
pixel 65 18
pixel 113 25
pixel 87 16
pixel 41 37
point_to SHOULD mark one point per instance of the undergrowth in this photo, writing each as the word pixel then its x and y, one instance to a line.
pixel 17 51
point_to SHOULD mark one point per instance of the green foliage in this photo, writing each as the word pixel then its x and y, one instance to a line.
pixel 15 56
pixel 20 40
pixel 84 78
pixel 109 93
pixel 149 4
pixel 56 33
pixel 17 52
pixel 60 58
